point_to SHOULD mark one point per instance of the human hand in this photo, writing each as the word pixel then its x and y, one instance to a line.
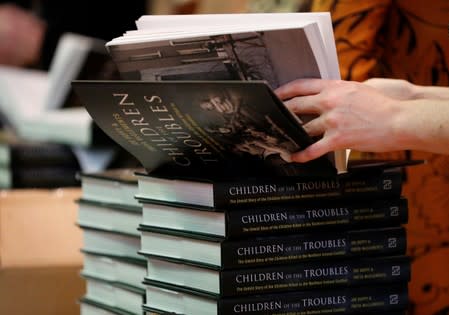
pixel 350 115
pixel 394 88
pixel 21 36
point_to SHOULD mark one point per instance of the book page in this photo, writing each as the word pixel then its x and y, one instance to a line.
pixel 276 56
pixel 252 21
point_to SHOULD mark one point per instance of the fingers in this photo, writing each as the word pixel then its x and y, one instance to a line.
pixel 313 151
pixel 315 127
pixel 304 105
pixel 301 87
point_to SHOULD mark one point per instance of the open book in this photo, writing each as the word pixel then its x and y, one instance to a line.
pixel 210 52
pixel 32 101
pixel 276 48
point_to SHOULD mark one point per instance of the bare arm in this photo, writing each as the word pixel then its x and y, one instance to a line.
pixel 357 116
pixel 404 90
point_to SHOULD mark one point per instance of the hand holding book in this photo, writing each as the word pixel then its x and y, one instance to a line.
pixel 234 113
pixel 379 116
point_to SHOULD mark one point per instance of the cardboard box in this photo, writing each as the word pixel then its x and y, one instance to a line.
pixel 40 257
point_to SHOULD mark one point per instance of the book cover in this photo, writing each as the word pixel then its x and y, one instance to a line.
pixel 38 177
pixel 275 219
pixel 214 252
pixel 21 153
pixel 364 184
pixel 201 129
pixel 360 300
pixel 278 278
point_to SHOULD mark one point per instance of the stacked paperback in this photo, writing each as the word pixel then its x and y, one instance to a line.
pixel 33 164
pixel 331 251
pixel 109 217
pixel 300 245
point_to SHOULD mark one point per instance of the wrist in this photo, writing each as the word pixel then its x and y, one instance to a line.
pixel 431 92
pixel 404 126
pixel 414 91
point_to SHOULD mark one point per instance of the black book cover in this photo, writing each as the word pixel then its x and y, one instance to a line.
pixel 121 175
pixel 357 300
pixel 201 129
pixel 36 154
pixel 161 312
pixel 42 177
pixel 362 184
pixel 367 300
pixel 375 242
pixel 294 277
pixel 282 218
pixel 289 249
pixel 325 215
pixel 358 185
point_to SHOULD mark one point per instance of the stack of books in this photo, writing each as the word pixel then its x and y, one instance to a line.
pixel 109 216
pixel 338 248
pixel 34 164
pixel 230 225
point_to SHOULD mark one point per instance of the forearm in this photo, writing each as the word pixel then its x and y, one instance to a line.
pixel 430 92
pixel 423 124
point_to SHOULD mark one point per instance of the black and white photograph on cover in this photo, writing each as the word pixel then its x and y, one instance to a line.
pixel 262 55
pixel 244 129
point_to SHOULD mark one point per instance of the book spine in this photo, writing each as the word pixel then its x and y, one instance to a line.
pixel 303 247
pixel 354 186
pixel 314 275
pixel 43 155
pixel 44 177
pixel 293 219
pixel 361 300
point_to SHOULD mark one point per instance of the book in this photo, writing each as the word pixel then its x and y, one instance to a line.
pixel 178 129
pixel 108 242
pixel 369 183
pixel 116 186
pixel 275 48
pixel 361 300
pixel 275 219
pixel 38 114
pixel 278 278
pixel 123 297
pixel 89 307
pixel 109 217
pixel 38 177
pixel 215 252
pixel 115 269
pixel 16 152
pixel 238 46
pixel 32 164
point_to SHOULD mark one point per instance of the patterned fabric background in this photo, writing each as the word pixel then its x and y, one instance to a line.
pixel 406 39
